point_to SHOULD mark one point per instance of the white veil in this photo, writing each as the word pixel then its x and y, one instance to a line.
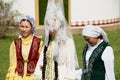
pixel 55 19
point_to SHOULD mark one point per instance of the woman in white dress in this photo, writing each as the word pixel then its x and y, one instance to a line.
pixel 60 58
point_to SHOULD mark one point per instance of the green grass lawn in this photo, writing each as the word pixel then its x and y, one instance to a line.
pixel 4 55
pixel 114 38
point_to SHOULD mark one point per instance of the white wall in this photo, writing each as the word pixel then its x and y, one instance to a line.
pixel 88 10
pixel 81 10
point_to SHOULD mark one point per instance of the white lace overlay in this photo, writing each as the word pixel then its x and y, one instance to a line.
pixel 64 51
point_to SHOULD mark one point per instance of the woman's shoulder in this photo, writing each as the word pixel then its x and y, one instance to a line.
pixel 38 37
pixel 69 40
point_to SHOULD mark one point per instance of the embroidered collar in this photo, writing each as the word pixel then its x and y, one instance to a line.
pixel 27 40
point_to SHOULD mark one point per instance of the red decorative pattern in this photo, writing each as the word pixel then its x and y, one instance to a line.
pixel 95 22
pixel 32 58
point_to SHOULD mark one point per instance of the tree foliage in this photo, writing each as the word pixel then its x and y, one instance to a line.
pixel 7 16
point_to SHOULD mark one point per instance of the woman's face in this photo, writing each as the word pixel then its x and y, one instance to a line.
pixel 26 28
pixel 91 40
pixel 53 33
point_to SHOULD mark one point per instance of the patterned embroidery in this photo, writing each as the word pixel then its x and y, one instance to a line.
pixel 32 59
pixel 20 67
pixel 31 66
pixel 87 69
pixel 50 64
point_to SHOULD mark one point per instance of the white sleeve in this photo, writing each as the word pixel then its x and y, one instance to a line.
pixel 38 71
pixel 78 74
pixel 108 58
pixel 71 59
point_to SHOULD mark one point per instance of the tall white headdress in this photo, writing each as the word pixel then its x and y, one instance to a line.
pixel 55 19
